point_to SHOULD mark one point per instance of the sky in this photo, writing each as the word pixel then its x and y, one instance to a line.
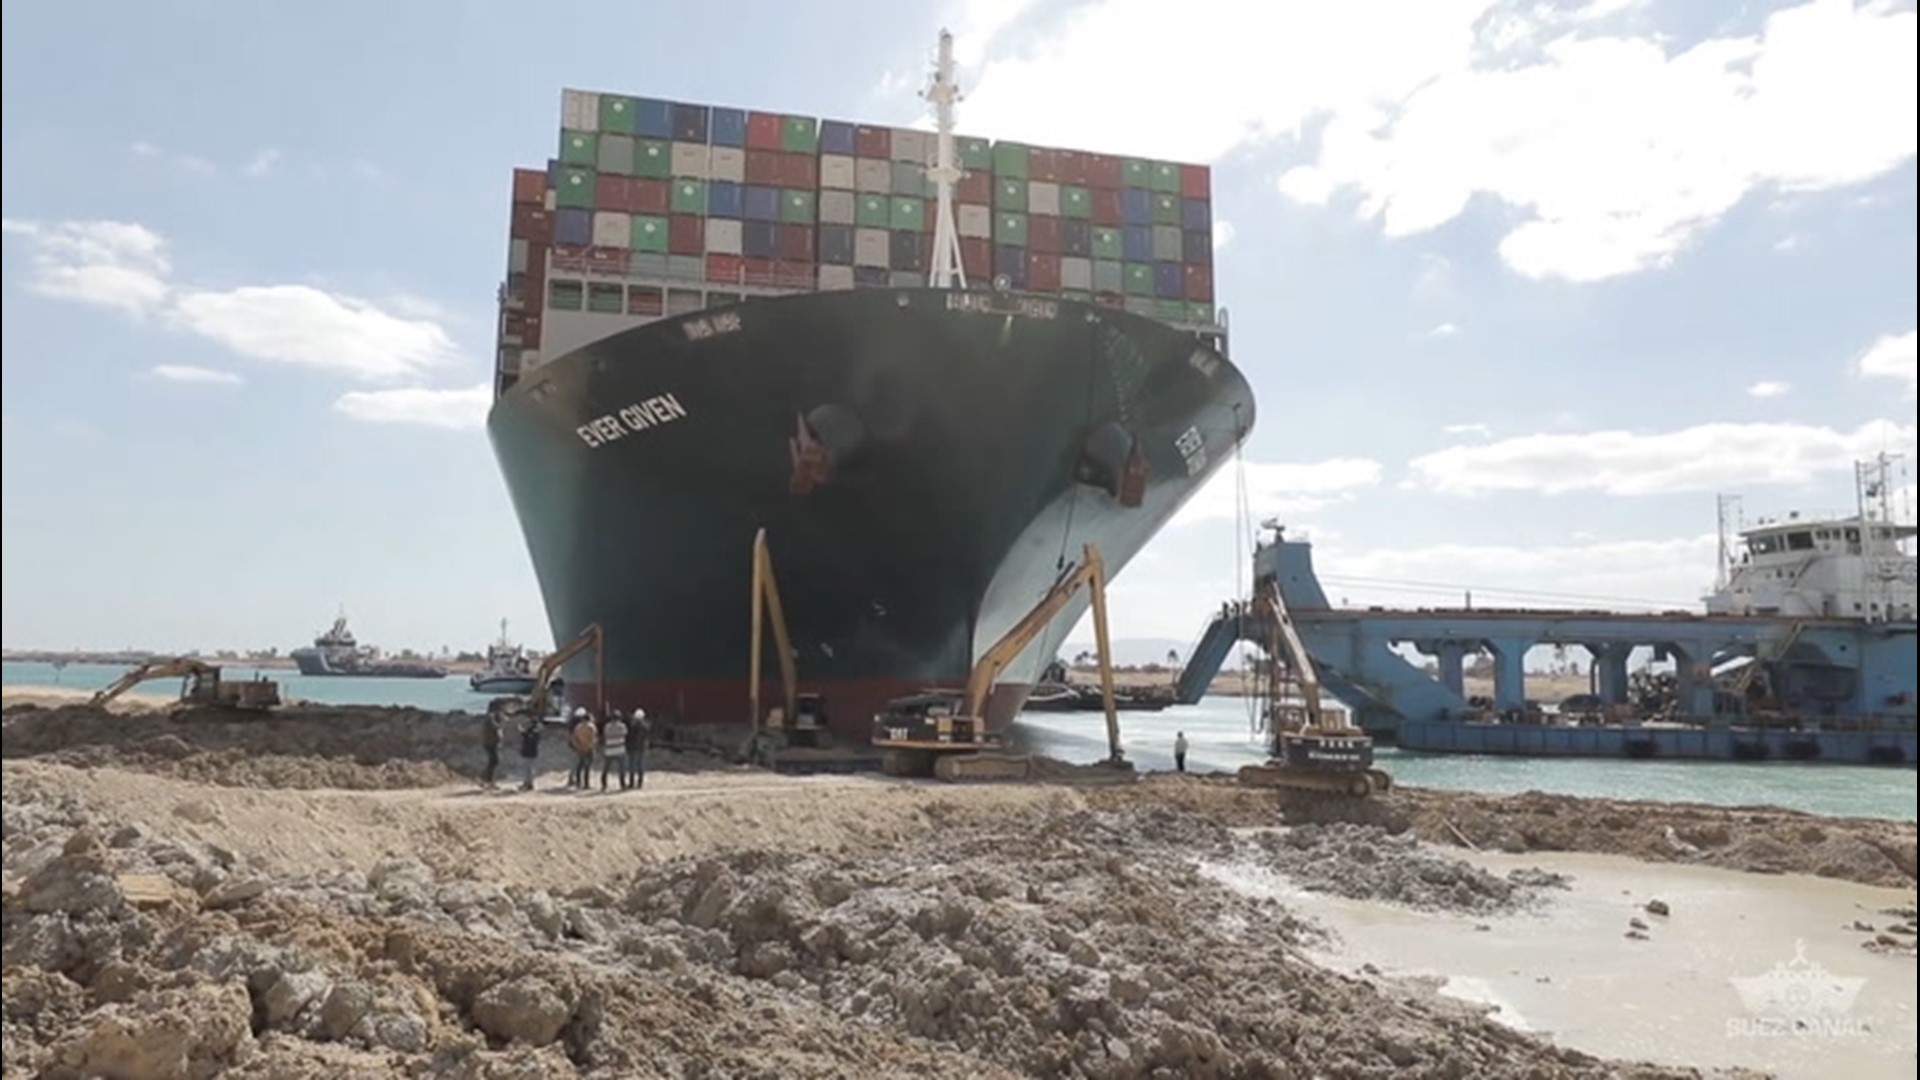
pixel 1520 287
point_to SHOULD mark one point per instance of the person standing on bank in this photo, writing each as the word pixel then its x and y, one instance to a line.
pixel 638 731
pixel 490 742
pixel 1180 752
pixel 613 748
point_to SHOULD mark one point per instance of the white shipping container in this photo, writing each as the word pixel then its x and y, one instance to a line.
pixel 836 171
pixel 1043 198
pixel 871 247
pixel 517 257
pixel 1107 275
pixel 1166 243
pixel 872 176
pixel 836 277
pixel 692 160
pixel 551 202
pixel 580 110
pixel 723 236
pixel 975 221
pixel 910 145
pixel 1076 273
pixel 612 229
pixel 836 207
pixel 729 164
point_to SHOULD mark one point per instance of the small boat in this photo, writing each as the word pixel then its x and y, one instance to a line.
pixel 508 669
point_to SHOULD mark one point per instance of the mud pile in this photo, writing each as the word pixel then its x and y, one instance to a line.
pixel 1079 943
pixel 1367 863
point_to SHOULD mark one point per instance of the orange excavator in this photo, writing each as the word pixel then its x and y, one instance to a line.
pixel 201 685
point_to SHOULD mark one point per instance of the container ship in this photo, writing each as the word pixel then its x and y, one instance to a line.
pixel 930 366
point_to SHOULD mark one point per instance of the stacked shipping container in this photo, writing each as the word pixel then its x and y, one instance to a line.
pixel 656 208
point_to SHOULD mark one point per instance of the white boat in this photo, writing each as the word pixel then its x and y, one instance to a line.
pixel 509 671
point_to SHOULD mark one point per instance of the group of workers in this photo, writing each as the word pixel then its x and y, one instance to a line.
pixel 618 741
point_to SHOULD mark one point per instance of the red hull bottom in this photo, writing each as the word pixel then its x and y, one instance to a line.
pixel 851 704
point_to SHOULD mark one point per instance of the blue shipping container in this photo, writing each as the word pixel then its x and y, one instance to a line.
pixel 1136 243
pixel 1196 214
pixel 1197 245
pixel 836 244
pixel 652 119
pixel 1136 206
pixel 907 251
pixel 1169 280
pixel 573 227
pixel 690 123
pixel 1076 236
pixel 762 204
pixel 553 173
pixel 1010 262
pixel 725 199
pixel 836 137
pixel 728 127
pixel 759 239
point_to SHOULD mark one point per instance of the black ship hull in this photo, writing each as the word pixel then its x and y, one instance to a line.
pixel 925 463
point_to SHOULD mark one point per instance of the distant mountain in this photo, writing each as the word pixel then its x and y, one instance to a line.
pixel 1130 652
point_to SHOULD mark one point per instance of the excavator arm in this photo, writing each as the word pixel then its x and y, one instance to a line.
pixel 590 638
pixel 1286 642
pixel 153 669
pixel 767 610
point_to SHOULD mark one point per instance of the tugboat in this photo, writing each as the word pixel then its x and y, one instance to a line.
pixel 337 653
pixel 508 669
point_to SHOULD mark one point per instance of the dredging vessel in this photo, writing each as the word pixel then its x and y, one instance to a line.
pixel 932 367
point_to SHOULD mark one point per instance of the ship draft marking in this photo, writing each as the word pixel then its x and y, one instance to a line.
pixel 726 322
pixel 1193 449
pixel 631 420
pixel 981 304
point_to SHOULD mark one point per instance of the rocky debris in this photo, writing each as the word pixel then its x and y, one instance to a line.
pixel 1367 863
pixel 1658 906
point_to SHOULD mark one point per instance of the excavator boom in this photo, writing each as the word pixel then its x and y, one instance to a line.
pixel 590 638
pixel 204 685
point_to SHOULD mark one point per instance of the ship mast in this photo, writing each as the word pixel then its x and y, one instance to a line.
pixel 945 266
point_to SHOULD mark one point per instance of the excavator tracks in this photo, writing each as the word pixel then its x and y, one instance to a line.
pixel 977 767
pixel 1347 784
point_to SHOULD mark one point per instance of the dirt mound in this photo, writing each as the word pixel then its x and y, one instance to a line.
pixel 1368 863
pixel 1050 942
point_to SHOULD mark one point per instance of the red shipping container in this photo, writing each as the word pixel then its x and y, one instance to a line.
pixel 1194 181
pixel 1106 207
pixel 529 186
pixel 536 289
pixel 1043 165
pixel 613 193
pixel 975 187
pixel 976 258
pixel 1073 167
pixel 1043 272
pixel 645 300
pixel 795 243
pixel 763 168
pixel 531 340
pixel 793 274
pixel 763 131
pixel 758 272
pixel 608 260
pixel 872 142
pixel 1110 299
pixel 569 260
pixel 531 223
pixel 686 235
pixel 799 171
pixel 649 196
pixel 1043 234
pixel 726 269
pixel 1103 171
pixel 1199 283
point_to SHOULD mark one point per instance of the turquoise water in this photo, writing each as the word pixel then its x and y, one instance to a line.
pixel 1218 738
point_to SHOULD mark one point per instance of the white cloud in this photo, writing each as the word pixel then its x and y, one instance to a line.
pixel 1708 457
pixel 1483 431
pixel 1222 234
pixel 1629 575
pixel 1279 488
pixel 451 409
pixel 1612 152
pixel 192 163
pixel 125 267
pixel 263 163
pixel 1891 357
pixel 1443 330
pixel 188 373
pixel 1768 388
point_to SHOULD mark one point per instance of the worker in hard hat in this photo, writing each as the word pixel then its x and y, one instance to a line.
pixel 583 737
pixel 638 731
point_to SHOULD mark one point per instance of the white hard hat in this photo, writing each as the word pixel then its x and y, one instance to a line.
pixel 579 710
pixel 639 713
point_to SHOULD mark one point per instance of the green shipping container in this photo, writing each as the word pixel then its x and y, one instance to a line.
pixel 1136 173
pixel 1106 243
pixel 976 155
pixel 689 197
pixel 1076 294
pixel 565 295
pixel 799 134
pixel 1010 159
pixel 650 233
pixel 1009 193
pixel 616 113
pixel 1075 202
pixel 909 213
pixel 1200 313
pixel 1166 177
pixel 872 212
pixel 1139 279
pixel 653 158
pixel 1166 209
pixel 575 189
pixel 616 154
pixel 579 148
pixel 1172 310
pixel 796 207
pixel 1009 228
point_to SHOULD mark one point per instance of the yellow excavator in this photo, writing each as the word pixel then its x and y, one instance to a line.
pixel 201 685
pixel 799 719
pixel 538 701
pixel 1311 748
pixel 944 732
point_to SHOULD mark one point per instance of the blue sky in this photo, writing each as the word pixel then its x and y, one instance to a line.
pixel 1520 287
